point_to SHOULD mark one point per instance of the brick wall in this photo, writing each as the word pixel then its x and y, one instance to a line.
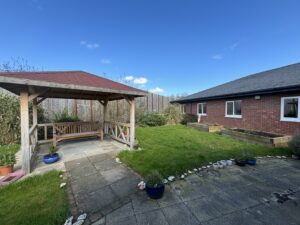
pixel 260 115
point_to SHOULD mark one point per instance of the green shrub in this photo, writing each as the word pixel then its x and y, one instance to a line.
pixel 294 145
pixel 63 116
pixel 154 179
pixel 7 158
pixel 188 118
pixel 152 120
pixel 9 119
pixel 173 114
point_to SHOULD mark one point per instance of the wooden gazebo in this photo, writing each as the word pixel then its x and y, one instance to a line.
pixel 38 86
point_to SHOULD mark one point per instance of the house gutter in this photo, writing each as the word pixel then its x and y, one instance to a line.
pixel 241 94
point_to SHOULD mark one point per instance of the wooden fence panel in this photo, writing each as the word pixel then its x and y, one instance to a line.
pixel 88 110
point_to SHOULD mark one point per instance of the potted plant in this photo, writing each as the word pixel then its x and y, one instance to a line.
pixel 251 160
pixel 241 161
pixel 53 156
pixel 154 185
pixel 7 161
pixel 294 145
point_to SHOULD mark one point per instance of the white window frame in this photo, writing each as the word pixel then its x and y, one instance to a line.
pixel 232 116
pixel 201 114
pixel 287 119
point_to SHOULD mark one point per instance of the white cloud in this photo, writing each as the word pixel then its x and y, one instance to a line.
pixel 217 57
pixel 234 46
pixel 105 61
pixel 129 78
pixel 157 90
pixel 140 80
pixel 89 45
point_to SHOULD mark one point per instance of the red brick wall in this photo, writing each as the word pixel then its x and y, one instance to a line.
pixel 260 115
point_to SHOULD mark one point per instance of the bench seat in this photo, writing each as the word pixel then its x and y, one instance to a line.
pixel 68 131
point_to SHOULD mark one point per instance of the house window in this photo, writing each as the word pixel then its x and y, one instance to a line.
pixel 201 109
pixel 234 109
pixel 290 109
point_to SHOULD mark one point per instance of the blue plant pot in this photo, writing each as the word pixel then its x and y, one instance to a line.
pixel 155 192
pixel 251 162
pixel 48 159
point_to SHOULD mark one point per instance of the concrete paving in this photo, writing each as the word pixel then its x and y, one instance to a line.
pixel 257 194
pixel 75 149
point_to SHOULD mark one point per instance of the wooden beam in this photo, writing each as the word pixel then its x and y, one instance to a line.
pixel 24 98
pixel 132 123
pixel 37 94
pixel 39 101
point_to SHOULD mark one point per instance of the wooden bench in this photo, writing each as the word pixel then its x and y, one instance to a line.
pixel 74 130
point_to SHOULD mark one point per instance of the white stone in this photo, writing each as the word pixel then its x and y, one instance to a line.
pixel 229 163
pixel 223 162
pixel 185 174
pixel 165 181
pixel 142 185
pixel 118 160
pixel 190 172
pixel 208 166
pixel 278 157
pixel 220 165
pixel 62 185
pixel 171 178
pixel 82 216
pixel 195 169
pixel 203 167
pixel 78 222
pixel 215 166
pixel 210 163
pixel 69 221
pixel 284 157
pixel 182 176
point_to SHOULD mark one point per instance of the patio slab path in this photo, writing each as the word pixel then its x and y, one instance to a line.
pixel 107 191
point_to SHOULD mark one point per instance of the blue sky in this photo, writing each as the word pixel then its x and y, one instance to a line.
pixel 174 46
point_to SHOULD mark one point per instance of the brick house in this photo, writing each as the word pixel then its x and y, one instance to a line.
pixel 266 101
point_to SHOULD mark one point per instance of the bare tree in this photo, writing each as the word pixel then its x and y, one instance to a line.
pixel 16 64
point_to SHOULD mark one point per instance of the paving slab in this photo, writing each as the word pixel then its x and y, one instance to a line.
pixel 107 191
pixel 155 217
pixel 179 214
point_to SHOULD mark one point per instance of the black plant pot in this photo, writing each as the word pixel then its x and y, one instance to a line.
pixel 155 192
pixel 240 162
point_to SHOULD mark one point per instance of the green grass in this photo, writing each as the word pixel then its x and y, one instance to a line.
pixel 173 149
pixel 37 200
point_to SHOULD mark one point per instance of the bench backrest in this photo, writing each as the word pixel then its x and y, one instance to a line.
pixel 76 127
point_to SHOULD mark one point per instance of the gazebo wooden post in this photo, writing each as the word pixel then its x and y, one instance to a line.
pixel 34 117
pixel 24 111
pixel 132 122
pixel 104 104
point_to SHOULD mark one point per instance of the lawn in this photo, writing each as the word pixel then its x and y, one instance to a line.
pixel 174 149
pixel 34 201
